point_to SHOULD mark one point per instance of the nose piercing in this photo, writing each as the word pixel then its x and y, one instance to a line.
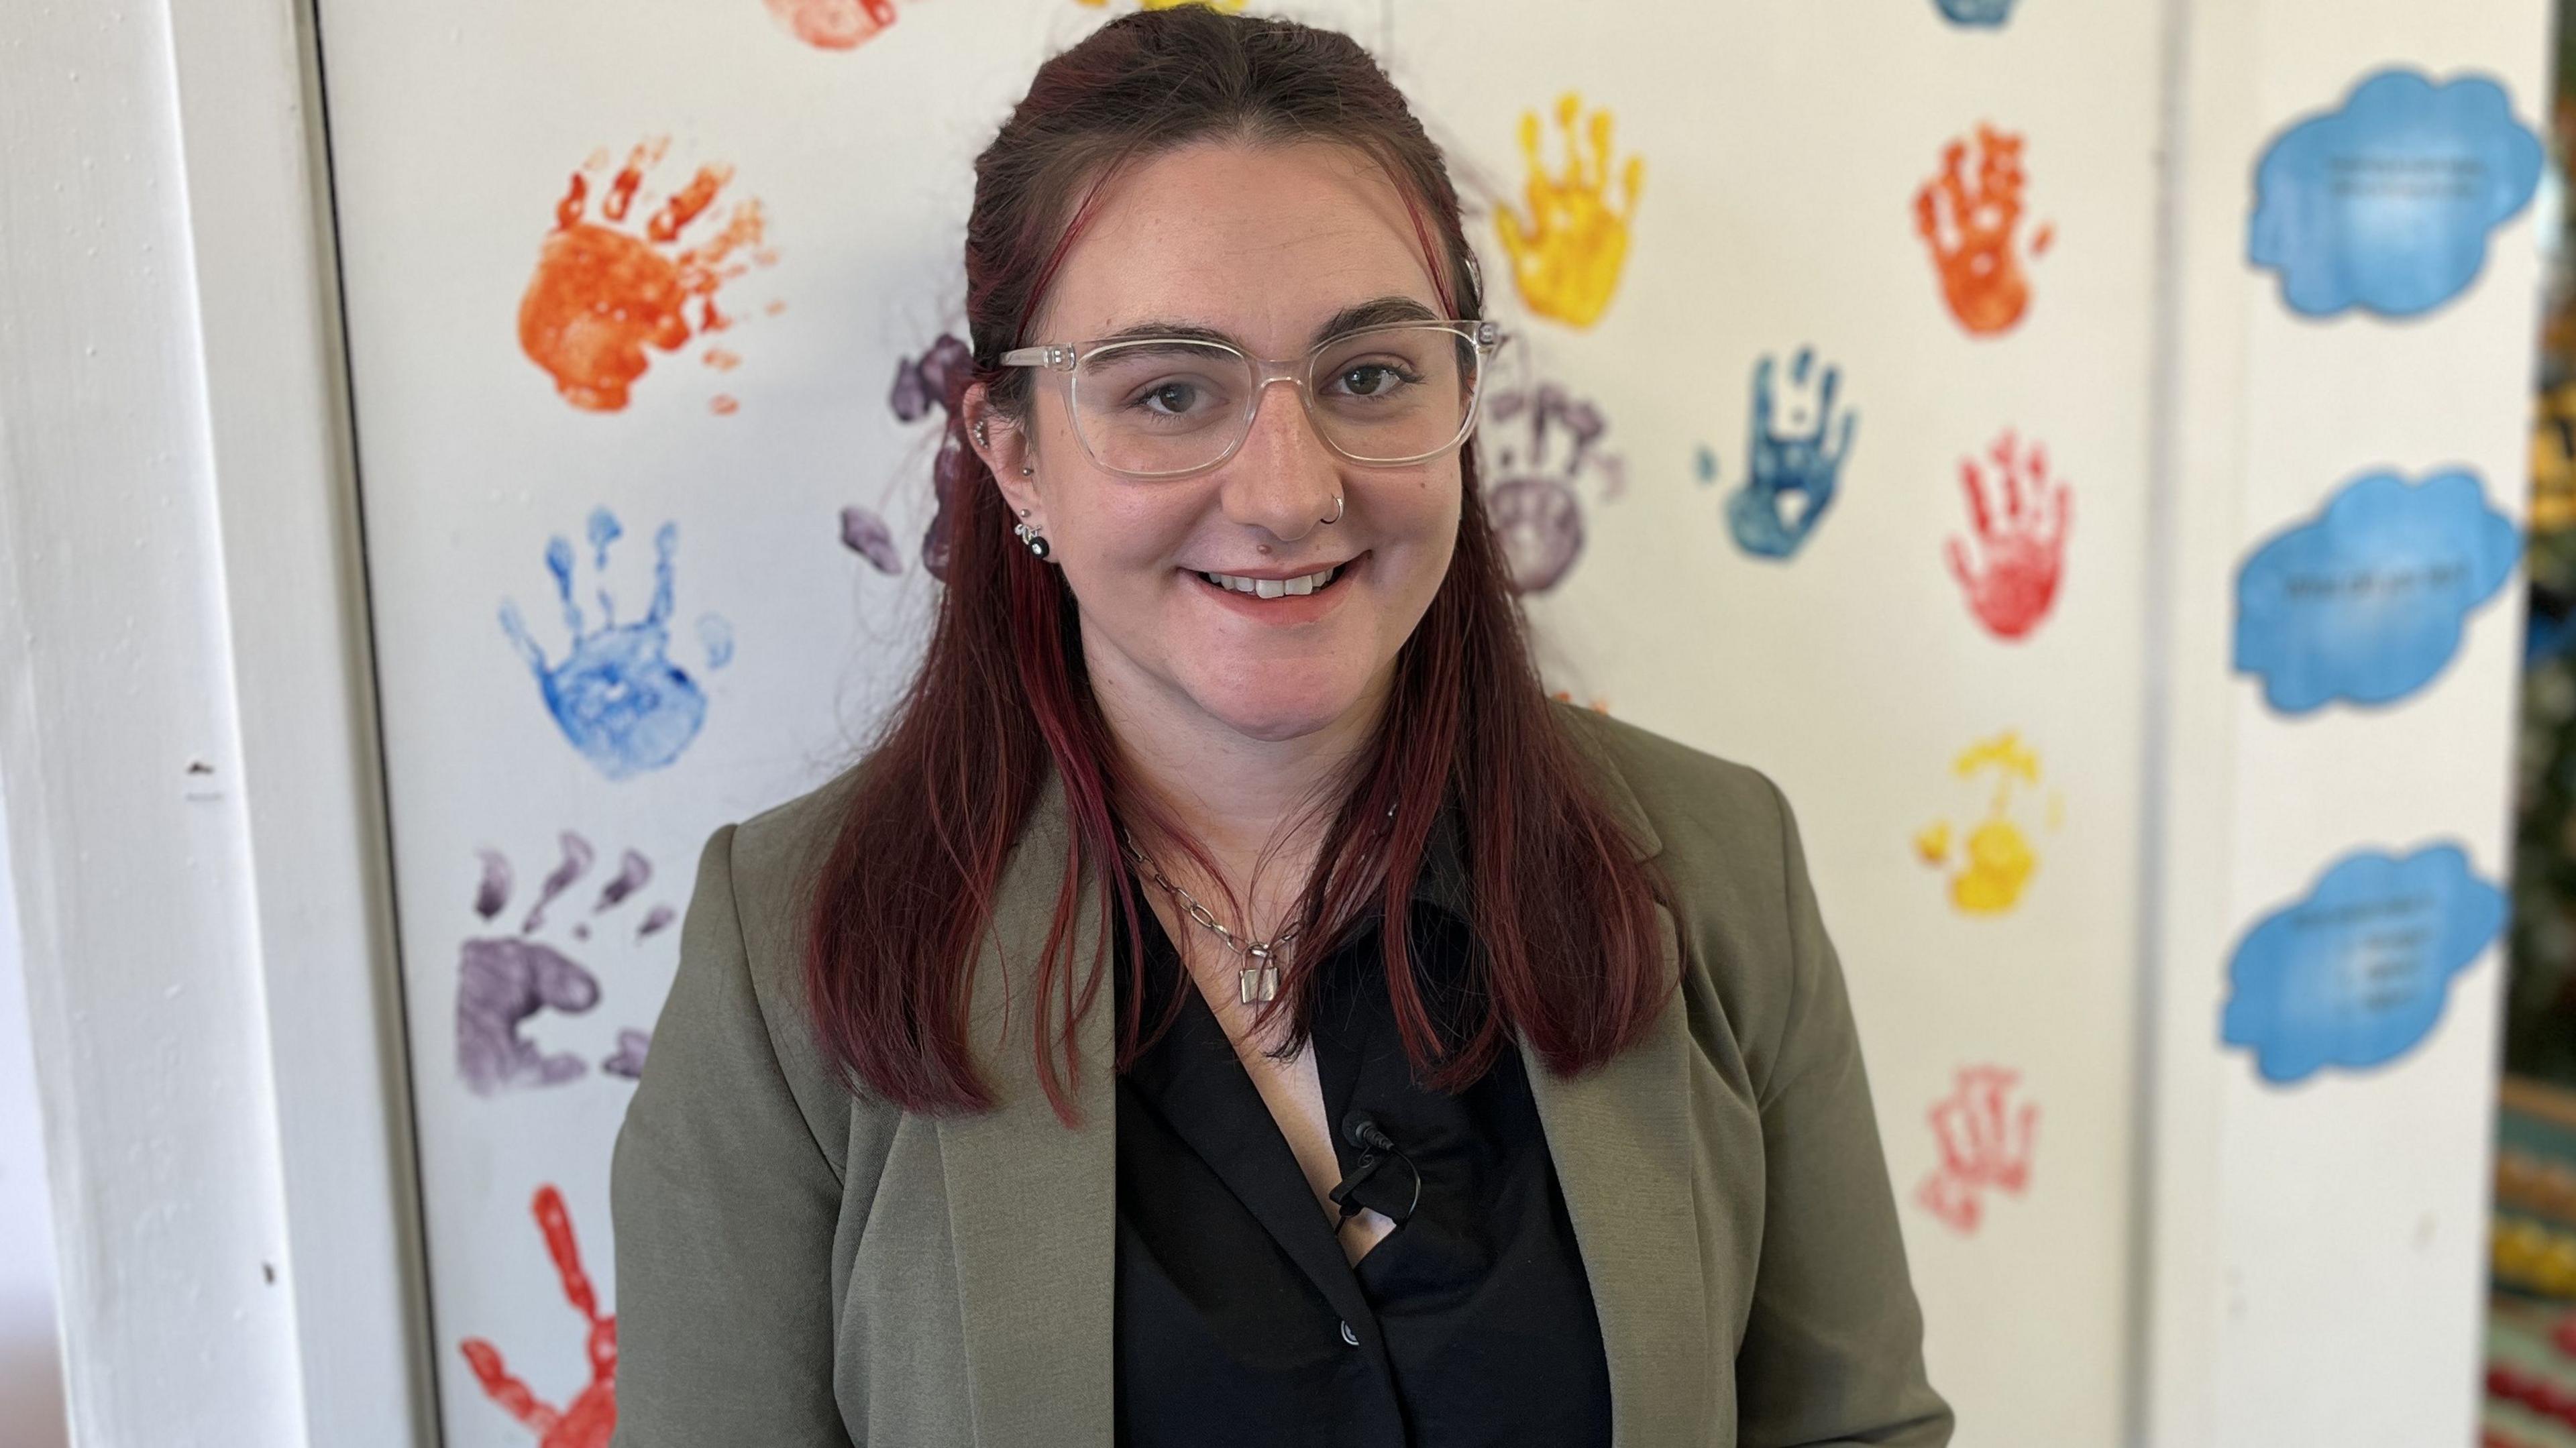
pixel 1337 511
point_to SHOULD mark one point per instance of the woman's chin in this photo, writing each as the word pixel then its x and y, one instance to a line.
pixel 1275 709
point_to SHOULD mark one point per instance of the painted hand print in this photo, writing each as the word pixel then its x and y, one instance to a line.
pixel 833 24
pixel 1971 228
pixel 1991 866
pixel 505 982
pixel 923 387
pixel 2386 202
pixel 866 534
pixel 1979 14
pixel 1985 1142
pixel 1567 255
pixel 2021 515
pixel 2358 972
pixel 1794 448
pixel 617 694
pixel 2369 600
pixel 591 1417
pixel 1541 449
pixel 603 293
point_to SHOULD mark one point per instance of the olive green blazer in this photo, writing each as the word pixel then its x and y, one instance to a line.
pixel 798 1265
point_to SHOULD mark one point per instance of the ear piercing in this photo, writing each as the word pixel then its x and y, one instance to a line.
pixel 981 439
pixel 1030 536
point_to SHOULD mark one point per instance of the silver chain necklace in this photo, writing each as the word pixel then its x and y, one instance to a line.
pixel 1256 982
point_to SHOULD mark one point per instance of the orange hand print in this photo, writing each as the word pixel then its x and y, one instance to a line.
pixel 1971 232
pixel 833 24
pixel 602 294
pixel 1992 867
pixel 2021 517
pixel 1567 256
pixel 1985 1146
pixel 593 1415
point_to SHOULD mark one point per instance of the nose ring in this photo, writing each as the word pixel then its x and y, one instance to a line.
pixel 1337 511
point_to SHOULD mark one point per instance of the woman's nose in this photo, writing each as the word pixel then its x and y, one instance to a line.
pixel 1283 478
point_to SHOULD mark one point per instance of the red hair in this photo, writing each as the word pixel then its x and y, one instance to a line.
pixel 1567 954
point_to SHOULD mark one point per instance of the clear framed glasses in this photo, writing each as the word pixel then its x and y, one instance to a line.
pixel 1166 407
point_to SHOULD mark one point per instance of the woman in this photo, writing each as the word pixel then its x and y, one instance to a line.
pixel 1047 1078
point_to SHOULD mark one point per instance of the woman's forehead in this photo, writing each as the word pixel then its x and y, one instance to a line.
pixel 1261 242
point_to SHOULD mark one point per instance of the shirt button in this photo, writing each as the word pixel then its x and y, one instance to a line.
pixel 1349 1336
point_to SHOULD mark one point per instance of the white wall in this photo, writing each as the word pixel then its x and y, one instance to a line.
pixel 31 1358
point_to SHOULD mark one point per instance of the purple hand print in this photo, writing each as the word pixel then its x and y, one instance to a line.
pixel 505 983
pixel 1541 444
pixel 617 694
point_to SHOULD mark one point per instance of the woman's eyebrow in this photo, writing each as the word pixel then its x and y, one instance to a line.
pixel 1376 312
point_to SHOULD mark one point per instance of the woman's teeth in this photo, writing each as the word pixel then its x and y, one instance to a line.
pixel 1273 587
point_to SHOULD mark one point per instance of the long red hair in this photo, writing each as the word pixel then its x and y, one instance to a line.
pixel 1567 951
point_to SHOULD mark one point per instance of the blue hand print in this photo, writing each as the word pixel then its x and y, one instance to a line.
pixel 620 699
pixel 1990 13
pixel 1787 461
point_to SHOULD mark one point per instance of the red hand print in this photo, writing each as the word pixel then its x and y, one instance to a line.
pixel 1985 1146
pixel 2021 516
pixel 593 1415
pixel 601 294
pixel 1971 232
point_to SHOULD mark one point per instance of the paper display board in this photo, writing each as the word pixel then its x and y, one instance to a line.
pixel 1821 445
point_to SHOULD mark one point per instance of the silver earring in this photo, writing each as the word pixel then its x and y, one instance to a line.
pixel 1027 471
pixel 981 440
pixel 1030 536
pixel 1024 512
pixel 1337 511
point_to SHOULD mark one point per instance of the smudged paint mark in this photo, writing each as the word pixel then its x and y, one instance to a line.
pixel 617 695
pixel 2021 516
pixel 633 873
pixel 715 635
pixel 1543 445
pixel 1567 255
pixel 577 856
pixel 833 24
pixel 1976 14
pixel 591 1417
pixel 656 919
pixel 1794 448
pixel 1985 1142
pixel 1971 231
pixel 1599 704
pixel 866 534
pixel 1993 865
pixel 629 1059
pixel 494 891
pixel 603 294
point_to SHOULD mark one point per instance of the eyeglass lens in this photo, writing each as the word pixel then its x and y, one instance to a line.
pixel 1388 394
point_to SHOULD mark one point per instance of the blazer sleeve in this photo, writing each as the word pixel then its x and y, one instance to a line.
pixel 724 1204
pixel 1833 1349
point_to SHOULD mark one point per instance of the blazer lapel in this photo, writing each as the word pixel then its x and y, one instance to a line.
pixel 1032 1205
pixel 1621 1140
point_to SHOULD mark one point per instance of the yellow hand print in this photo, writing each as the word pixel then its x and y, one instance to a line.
pixel 1996 862
pixel 1566 257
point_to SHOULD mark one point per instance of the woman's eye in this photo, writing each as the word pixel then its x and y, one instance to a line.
pixel 1171 398
pixel 1372 379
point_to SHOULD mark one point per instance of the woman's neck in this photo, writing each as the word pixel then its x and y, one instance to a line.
pixel 1236 795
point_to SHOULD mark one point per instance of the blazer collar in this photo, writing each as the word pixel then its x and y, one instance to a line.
pixel 1032 1205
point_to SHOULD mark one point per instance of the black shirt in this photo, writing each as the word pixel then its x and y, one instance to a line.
pixel 1239 1319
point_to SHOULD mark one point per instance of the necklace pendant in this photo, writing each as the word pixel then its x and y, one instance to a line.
pixel 1257 983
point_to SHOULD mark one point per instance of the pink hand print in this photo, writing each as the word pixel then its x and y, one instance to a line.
pixel 1985 1146
pixel 2021 516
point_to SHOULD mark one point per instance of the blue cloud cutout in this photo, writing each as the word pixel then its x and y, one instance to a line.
pixel 2367 601
pixel 2386 203
pixel 2359 971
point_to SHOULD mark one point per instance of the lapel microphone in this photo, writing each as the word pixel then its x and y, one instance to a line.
pixel 1375 1148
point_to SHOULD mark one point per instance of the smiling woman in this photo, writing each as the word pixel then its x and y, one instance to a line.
pixel 1472 1070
